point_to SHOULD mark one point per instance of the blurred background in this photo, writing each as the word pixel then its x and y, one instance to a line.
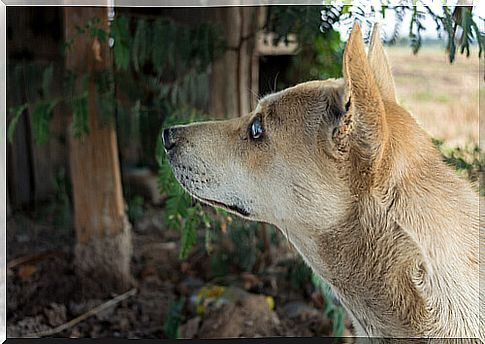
pixel 101 240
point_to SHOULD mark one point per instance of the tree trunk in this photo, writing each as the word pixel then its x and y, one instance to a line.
pixel 103 250
pixel 234 77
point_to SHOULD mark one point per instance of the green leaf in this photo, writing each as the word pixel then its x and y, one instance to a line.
pixel 78 89
pixel 334 312
pixel 105 95
pixel 415 35
pixel 80 29
pixel 80 126
pixel 189 233
pixel 480 38
pixel 466 25
pixel 101 34
pixel 121 47
pixel 173 319
pixel 95 31
pixel 41 116
pixel 383 10
pixel 449 28
pixel 15 112
pixel 338 325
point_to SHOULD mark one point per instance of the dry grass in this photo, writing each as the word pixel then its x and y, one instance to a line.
pixel 443 97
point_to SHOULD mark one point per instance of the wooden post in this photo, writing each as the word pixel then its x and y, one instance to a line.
pixel 235 74
pixel 103 250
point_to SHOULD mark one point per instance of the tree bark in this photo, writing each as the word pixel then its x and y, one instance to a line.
pixel 103 250
pixel 235 74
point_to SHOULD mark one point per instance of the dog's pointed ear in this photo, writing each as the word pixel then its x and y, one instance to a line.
pixel 362 129
pixel 380 66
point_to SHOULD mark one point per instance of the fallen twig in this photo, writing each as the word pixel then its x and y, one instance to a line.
pixel 84 316
pixel 30 258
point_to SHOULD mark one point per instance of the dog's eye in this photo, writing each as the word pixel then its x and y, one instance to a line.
pixel 256 129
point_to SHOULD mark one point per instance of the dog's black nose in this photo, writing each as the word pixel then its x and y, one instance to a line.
pixel 167 143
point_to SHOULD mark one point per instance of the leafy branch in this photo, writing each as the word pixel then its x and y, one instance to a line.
pixel 180 211
pixel 453 20
pixel 132 51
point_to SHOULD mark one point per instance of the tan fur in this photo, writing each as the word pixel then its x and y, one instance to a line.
pixel 380 65
pixel 360 191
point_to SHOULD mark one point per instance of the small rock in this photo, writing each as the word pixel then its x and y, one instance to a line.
pixel 242 316
pixel 143 225
pixel 249 323
pixel 75 333
pixel 56 314
pixel 190 328
pixel 300 310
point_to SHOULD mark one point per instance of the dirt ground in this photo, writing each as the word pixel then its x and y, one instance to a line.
pixel 42 294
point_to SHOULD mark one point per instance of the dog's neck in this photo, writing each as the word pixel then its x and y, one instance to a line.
pixel 358 258
pixel 384 279
pixel 426 198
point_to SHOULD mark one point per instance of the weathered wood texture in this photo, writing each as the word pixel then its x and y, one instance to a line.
pixel 32 168
pixel 235 74
pixel 103 249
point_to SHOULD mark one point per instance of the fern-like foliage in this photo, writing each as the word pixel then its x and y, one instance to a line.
pixel 105 94
pixel 181 213
pixel 140 57
pixel 173 319
pixel 40 120
pixel 78 101
pixel 14 116
pixel 449 22
pixel 122 41
pixel 332 308
pixel 41 106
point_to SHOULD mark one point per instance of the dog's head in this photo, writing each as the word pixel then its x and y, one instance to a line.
pixel 288 159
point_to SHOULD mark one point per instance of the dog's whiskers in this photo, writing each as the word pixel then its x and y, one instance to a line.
pixel 256 94
pixel 275 81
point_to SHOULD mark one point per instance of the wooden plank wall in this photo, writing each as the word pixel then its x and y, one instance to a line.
pixel 33 34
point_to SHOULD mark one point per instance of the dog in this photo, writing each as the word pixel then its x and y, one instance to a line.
pixel 359 189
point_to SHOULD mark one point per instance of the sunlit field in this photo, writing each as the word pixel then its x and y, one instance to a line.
pixel 443 97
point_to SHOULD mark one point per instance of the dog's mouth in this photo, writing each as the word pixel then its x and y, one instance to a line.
pixel 183 178
pixel 234 208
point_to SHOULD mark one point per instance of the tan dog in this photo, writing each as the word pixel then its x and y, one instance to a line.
pixel 357 187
